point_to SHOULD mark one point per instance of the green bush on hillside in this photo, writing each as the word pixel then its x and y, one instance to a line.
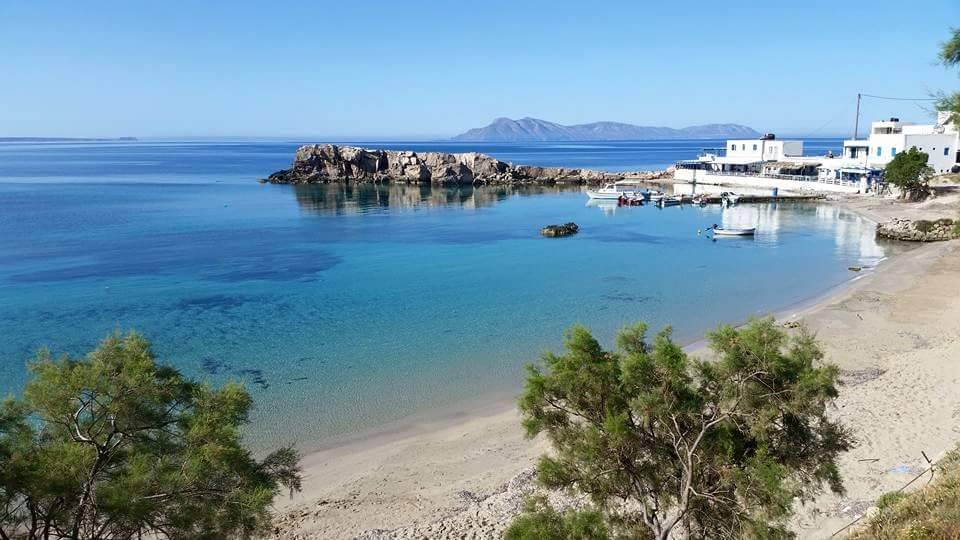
pixel 930 512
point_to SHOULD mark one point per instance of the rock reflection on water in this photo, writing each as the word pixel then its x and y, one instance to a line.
pixel 367 198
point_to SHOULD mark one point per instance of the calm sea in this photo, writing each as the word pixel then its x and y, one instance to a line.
pixel 347 307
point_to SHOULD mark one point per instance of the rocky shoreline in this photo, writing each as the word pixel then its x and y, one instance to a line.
pixel 329 163
pixel 918 230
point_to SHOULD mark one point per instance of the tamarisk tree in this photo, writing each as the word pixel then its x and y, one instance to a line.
pixel 909 171
pixel 117 446
pixel 664 444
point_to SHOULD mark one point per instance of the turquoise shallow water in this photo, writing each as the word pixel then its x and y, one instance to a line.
pixel 345 308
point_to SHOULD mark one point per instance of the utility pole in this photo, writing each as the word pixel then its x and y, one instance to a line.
pixel 856 124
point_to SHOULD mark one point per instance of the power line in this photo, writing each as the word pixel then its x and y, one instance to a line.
pixel 856 125
pixel 898 98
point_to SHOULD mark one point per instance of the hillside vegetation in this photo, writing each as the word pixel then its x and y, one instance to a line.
pixel 931 512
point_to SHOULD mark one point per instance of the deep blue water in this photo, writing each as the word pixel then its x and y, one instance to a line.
pixel 345 308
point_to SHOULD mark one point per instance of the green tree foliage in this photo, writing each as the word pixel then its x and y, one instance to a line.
pixel 662 442
pixel 948 102
pixel 541 522
pixel 950 49
pixel 950 57
pixel 117 446
pixel 909 171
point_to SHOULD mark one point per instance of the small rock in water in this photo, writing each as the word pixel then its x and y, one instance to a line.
pixel 560 230
pixel 854 268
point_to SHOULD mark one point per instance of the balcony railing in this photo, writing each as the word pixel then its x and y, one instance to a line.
pixel 795 177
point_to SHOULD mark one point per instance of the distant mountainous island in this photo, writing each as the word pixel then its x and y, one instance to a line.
pixel 533 129
pixel 65 139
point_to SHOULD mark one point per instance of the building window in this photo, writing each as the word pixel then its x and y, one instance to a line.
pixel 946 151
pixel 743 147
pixel 733 147
pixel 893 151
pixel 879 151
pixel 754 148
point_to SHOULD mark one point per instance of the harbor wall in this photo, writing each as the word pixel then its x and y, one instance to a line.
pixel 764 182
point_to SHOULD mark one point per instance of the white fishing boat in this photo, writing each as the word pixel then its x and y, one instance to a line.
pixel 717 231
pixel 610 192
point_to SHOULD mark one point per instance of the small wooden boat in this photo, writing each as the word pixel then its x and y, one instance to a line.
pixel 734 232
pixel 670 201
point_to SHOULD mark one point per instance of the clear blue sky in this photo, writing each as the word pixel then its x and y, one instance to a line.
pixel 376 68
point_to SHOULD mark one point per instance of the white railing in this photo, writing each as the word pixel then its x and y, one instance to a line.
pixel 794 177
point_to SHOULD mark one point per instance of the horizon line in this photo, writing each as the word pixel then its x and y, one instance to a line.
pixel 361 138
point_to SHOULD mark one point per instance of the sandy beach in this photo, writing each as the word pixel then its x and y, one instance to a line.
pixel 893 331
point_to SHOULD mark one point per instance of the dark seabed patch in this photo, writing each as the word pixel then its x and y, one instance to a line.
pixel 213 366
pixel 223 256
pixel 255 376
pixel 213 301
pixel 216 366
pixel 624 236
pixel 627 297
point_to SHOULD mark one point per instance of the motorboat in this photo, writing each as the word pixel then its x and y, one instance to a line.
pixel 719 231
pixel 729 198
pixel 610 192
pixel 670 201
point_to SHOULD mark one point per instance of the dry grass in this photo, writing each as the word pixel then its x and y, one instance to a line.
pixel 949 178
pixel 932 512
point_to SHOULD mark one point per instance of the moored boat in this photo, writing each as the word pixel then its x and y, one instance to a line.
pixel 729 198
pixel 734 232
pixel 610 192
pixel 670 201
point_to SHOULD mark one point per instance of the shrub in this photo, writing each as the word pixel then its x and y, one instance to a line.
pixel 662 442
pixel 117 446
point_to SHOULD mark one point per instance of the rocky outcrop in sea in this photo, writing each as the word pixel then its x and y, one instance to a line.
pixel 566 229
pixel 326 163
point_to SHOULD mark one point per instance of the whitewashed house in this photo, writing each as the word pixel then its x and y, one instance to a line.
pixel 769 162
pixel 940 141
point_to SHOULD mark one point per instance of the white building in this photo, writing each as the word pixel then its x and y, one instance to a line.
pixel 768 161
pixel 767 148
pixel 940 141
